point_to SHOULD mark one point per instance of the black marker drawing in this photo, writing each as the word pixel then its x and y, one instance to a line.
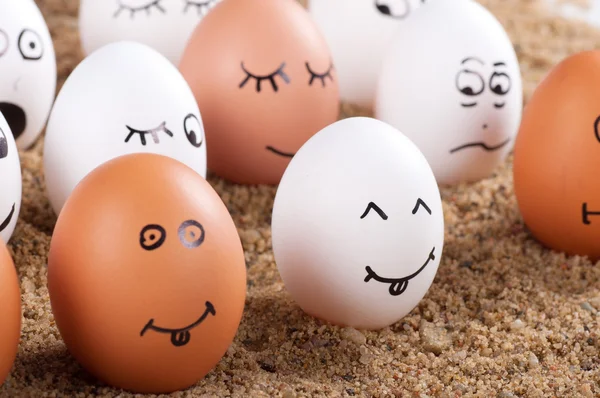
pixel 500 82
pixel 421 203
pixel 373 206
pixel 193 130
pixel 469 83
pixel 481 145
pixel 202 7
pixel 280 153
pixel 398 9
pixel 3 145
pixel 186 228
pixel 30 45
pixel 321 76
pixel 153 132
pixel 15 117
pixel 3 42
pixel 586 213
pixel 271 78
pixel 398 285
pixel 152 4
pixel 596 126
pixel 180 337
pixel 152 237
pixel 8 218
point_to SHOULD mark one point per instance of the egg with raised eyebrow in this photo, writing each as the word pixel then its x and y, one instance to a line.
pixel 123 98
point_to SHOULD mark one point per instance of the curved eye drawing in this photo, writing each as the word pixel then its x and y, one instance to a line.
pixel 147 6
pixel 3 42
pixel 202 6
pixel 597 128
pixel 271 78
pixel 30 45
pixel 469 83
pixel 398 9
pixel 191 234
pixel 420 203
pixel 377 209
pixel 152 237
pixel 153 132
pixel 321 76
pixel 193 130
pixel 500 83
pixel 3 145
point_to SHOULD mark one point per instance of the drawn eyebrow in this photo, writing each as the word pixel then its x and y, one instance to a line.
pixel 421 203
pixel 472 59
pixel 373 206
pixel 499 64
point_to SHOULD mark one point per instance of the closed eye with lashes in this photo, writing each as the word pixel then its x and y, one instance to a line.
pixel 202 6
pixel 153 132
pixel 151 4
pixel 270 77
pixel 321 76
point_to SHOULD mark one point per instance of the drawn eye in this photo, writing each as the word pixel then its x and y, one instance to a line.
pixel 202 7
pixel 3 42
pixel 373 206
pixel 152 237
pixel 321 76
pixel 148 6
pixel 30 45
pixel 271 78
pixel 3 145
pixel 153 132
pixel 500 83
pixel 193 130
pixel 420 203
pixel 393 8
pixel 191 234
pixel 469 83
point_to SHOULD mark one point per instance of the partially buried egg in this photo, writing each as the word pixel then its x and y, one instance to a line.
pixel 146 274
pixel 263 77
pixel 557 155
pixel 10 311
pixel 123 98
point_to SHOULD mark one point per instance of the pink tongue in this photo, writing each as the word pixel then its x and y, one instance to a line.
pixel 180 339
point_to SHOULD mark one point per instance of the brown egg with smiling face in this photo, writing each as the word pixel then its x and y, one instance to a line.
pixel 146 274
pixel 10 311
pixel 263 77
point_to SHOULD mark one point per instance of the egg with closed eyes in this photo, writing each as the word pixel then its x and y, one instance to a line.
pixel 123 98
pixel 164 25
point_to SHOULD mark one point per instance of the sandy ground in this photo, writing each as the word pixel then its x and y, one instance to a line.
pixel 505 317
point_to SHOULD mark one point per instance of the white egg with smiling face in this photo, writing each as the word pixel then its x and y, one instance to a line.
pixel 358 225
pixel 27 69
pixel 164 25
pixel 357 32
pixel 123 98
pixel 456 92
pixel 10 182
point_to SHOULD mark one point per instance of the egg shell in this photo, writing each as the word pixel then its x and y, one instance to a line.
pixel 456 91
pixel 124 98
pixel 146 274
pixel 164 25
pixel 10 310
pixel 556 158
pixel 358 227
pixel 357 32
pixel 265 84
pixel 27 69
pixel 10 182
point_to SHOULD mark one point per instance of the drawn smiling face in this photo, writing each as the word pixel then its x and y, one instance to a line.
pixel 143 110
pixel 10 181
pixel 164 25
pixel 358 228
pixel 268 85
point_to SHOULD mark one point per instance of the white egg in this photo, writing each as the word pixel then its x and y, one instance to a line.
pixel 164 25
pixel 10 181
pixel 123 98
pixel 357 32
pixel 357 225
pixel 456 92
pixel 27 69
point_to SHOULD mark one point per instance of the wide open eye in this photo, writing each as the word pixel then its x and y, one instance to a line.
pixel 377 209
pixel 500 83
pixel 320 76
pixel 3 42
pixel 3 145
pixel 393 8
pixel 191 234
pixel 271 78
pixel 193 130
pixel 469 83
pixel 421 204
pixel 30 45
pixel 136 6
pixel 152 237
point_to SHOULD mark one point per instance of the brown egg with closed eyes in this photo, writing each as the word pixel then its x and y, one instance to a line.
pixel 146 274
pixel 10 311
pixel 263 78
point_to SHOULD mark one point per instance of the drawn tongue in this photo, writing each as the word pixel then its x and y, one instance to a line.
pixel 180 339
pixel 397 288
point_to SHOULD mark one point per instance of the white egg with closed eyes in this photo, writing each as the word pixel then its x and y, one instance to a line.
pixel 123 98
pixel 358 225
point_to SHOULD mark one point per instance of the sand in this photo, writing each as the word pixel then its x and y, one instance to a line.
pixel 505 317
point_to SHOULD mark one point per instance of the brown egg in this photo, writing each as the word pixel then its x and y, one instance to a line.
pixel 10 311
pixel 557 158
pixel 265 83
pixel 146 274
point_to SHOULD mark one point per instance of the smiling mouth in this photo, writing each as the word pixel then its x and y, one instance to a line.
pixel 180 337
pixel 481 145
pixel 8 219
pixel 398 285
pixel 585 214
pixel 278 152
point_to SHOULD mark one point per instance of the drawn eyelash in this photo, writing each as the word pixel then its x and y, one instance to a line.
pixel 134 10
pixel 271 78
pixel 202 8
pixel 321 76
pixel 153 132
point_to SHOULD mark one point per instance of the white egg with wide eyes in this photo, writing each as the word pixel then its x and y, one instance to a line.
pixel 123 98
pixel 357 32
pixel 456 92
pixel 27 70
pixel 10 182
pixel 358 225
pixel 164 25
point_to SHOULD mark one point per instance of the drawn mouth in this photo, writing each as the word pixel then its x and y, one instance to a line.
pixel 15 116
pixel 278 152
pixel 180 337
pixel 585 213
pixel 481 145
pixel 8 219
pixel 398 285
